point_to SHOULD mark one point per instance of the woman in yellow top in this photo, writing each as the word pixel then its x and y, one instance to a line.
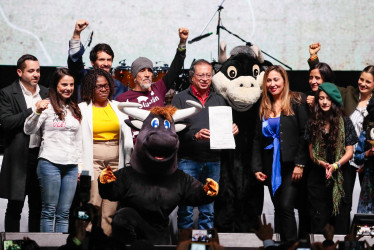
pixel 106 139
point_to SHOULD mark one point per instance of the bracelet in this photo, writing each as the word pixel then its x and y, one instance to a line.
pixel 336 166
pixel 77 241
pixel 37 113
pixel 300 165
pixel 181 47
pixel 313 58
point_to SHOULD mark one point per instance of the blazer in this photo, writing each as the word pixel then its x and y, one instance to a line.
pixel 125 139
pixel 293 147
pixel 13 113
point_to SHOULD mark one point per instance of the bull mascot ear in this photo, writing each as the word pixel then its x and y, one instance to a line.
pixel 216 66
pixel 132 109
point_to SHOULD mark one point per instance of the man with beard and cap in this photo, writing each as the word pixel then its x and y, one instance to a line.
pixel 150 94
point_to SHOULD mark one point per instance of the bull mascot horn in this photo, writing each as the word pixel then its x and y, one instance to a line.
pixel 132 109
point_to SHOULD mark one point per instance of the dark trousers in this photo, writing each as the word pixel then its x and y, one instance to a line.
pixel 32 189
pixel 320 200
pixel 128 226
pixel 343 219
pixel 302 206
pixel 284 202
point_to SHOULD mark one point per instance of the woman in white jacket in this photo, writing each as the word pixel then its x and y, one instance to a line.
pixel 107 140
pixel 58 120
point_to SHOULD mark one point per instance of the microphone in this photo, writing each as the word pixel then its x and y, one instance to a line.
pixel 90 39
pixel 200 37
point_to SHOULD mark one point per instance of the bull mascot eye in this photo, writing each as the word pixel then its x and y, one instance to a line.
pixel 232 72
pixel 155 123
pixel 255 70
pixel 167 124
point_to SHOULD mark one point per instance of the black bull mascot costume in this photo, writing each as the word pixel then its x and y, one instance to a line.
pixel 153 186
pixel 239 81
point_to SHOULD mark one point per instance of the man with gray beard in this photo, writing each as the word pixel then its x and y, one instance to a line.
pixel 150 94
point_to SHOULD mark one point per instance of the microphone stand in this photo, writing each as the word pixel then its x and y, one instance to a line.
pixel 249 44
pixel 220 8
pixel 219 26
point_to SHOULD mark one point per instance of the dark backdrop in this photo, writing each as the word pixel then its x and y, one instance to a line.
pixel 298 80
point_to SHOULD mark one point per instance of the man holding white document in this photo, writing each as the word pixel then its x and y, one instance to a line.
pixel 200 143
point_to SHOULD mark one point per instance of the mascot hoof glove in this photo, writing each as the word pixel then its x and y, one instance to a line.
pixel 107 176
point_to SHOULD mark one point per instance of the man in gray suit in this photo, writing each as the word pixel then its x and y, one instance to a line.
pixel 18 176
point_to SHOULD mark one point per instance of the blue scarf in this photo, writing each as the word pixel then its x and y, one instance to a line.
pixel 276 178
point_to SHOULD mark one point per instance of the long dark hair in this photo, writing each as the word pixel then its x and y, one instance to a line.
pixel 318 122
pixel 325 71
pixel 89 84
pixel 56 100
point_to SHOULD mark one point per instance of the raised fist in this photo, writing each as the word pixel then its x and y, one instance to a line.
pixel 41 105
pixel 183 34
pixel 107 176
pixel 314 48
pixel 81 25
pixel 211 187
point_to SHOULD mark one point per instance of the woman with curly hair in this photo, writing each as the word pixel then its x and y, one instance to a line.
pixel 107 141
pixel 279 149
pixel 58 120
pixel 331 137
pixel 355 101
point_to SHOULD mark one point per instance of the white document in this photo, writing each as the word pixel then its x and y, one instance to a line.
pixel 220 125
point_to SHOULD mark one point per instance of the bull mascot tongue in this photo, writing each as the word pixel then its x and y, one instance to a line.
pixel 153 186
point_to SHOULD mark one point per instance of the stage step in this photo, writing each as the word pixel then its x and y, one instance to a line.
pixel 242 239
pixel 228 240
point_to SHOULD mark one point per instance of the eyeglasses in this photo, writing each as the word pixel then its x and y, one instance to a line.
pixel 105 86
pixel 201 76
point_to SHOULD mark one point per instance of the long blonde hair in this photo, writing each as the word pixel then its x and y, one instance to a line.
pixel 288 97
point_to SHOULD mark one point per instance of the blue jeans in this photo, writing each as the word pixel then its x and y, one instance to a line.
pixel 58 183
pixel 200 171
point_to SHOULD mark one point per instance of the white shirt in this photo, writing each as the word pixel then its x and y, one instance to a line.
pixel 61 140
pixel 31 99
pixel 357 118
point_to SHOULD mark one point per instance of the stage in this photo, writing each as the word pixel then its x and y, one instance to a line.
pixel 229 240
